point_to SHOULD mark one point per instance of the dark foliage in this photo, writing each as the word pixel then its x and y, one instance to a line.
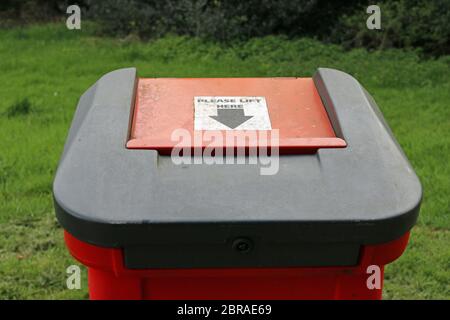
pixel 219 20
pixel 405 23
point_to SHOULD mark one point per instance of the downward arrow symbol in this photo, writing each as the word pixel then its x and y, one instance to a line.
pixel 232 118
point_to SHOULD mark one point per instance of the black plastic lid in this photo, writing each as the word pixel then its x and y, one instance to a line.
pixel 317 210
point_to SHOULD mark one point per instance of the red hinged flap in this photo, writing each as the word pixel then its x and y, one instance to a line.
pixel 230 113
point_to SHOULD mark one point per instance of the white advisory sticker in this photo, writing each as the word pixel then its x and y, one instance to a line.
pixel 231 113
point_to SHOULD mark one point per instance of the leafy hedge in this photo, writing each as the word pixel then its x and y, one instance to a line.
pixel 405 23
pixel 218 19
pixel 13 12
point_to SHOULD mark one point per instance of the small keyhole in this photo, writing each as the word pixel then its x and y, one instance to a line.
pixel 242 245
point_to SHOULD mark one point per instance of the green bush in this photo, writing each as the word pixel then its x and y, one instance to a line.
pixel 405 24
pixel 13 12
pixel 216 19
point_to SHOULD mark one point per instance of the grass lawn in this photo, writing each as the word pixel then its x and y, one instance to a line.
pixel 45 69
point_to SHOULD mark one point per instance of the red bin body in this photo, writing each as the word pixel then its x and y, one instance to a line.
pixel 109 279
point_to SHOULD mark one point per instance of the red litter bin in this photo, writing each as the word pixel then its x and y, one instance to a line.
pixel 235 188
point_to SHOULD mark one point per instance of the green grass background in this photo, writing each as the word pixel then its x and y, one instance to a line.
pixel 51 67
